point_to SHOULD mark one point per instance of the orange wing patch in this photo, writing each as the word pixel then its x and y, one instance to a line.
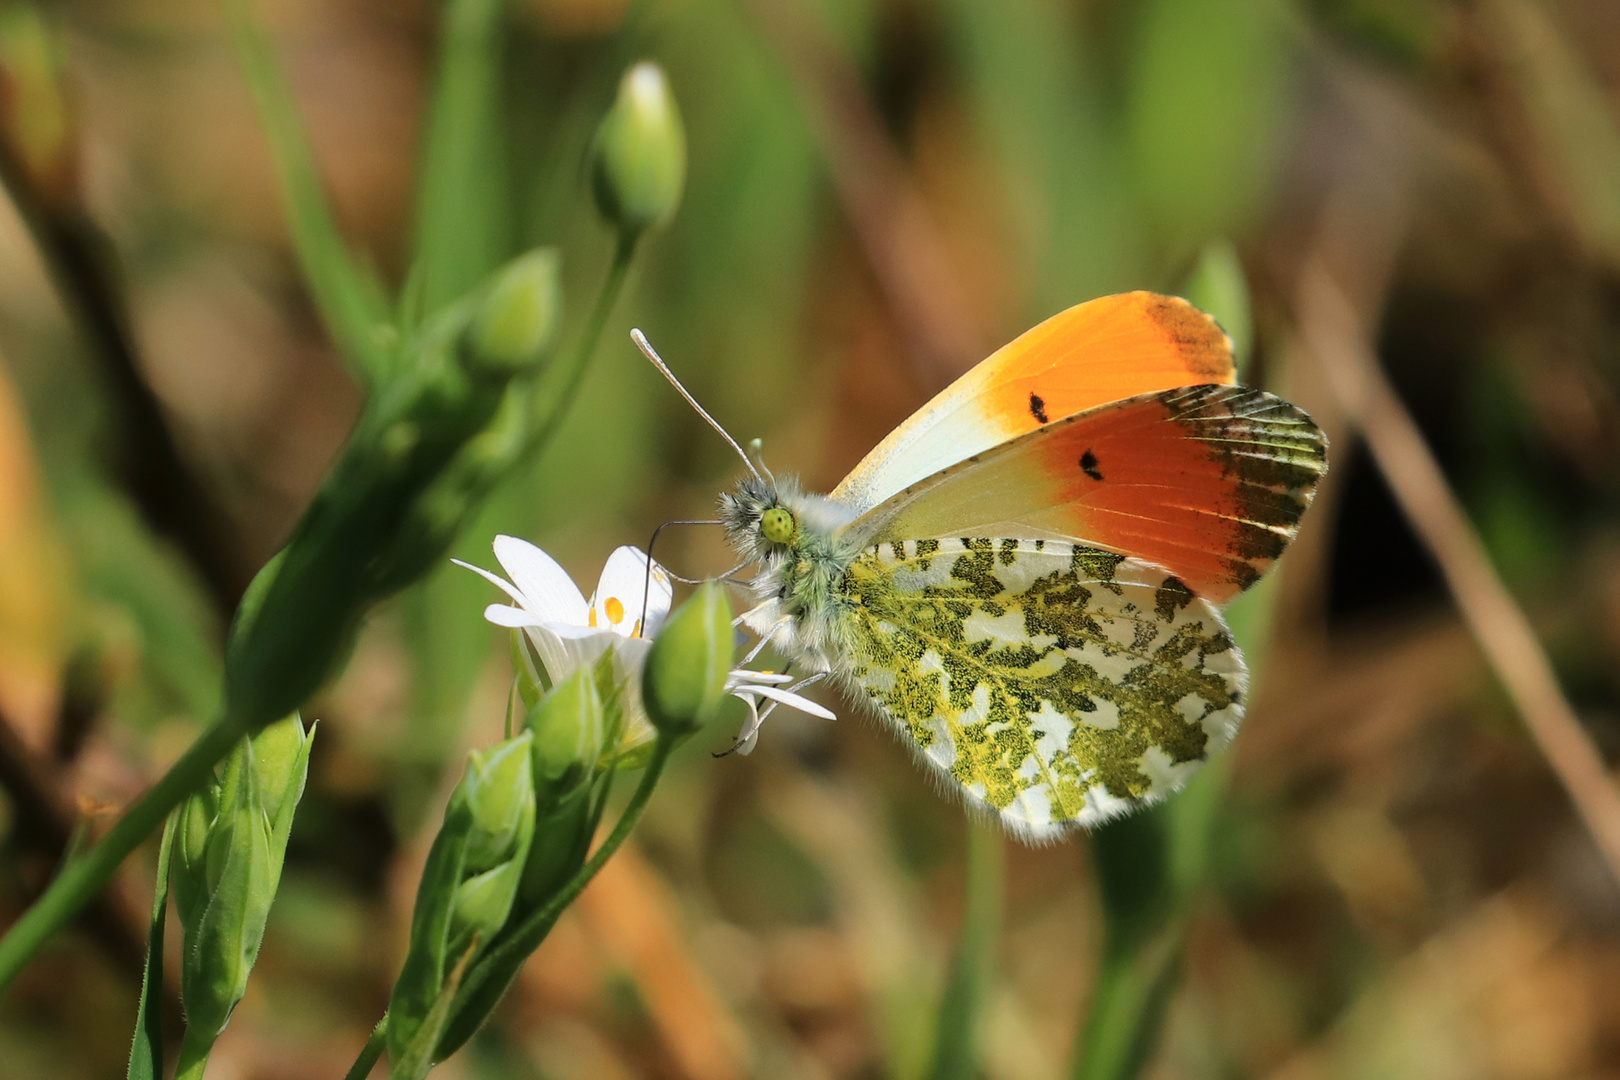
pixel 1208 482
pixel 1101 351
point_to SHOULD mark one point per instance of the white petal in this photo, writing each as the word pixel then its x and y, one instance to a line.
pixel 564 649
pixel 568 630
pixel 629 656
pixel 748 737
pixel 512 617
pixel 747 677
pixel 619 594
pixel 494 579
pixel 791 700
pixel 547 589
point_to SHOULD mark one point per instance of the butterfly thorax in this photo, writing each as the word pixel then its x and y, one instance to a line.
pixel 797 546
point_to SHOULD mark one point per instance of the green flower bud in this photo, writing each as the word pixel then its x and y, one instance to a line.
pixel 191 851
pixel 481 905
pixel 685 676
pixel 281 763
pixel 517 316
pixel 499 789
pixel 638 161
pixel 466 892
pixel 232 840
pixel 567 729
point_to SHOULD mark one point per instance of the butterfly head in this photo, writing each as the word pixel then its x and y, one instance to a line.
pixel 757 523
pixel 769 519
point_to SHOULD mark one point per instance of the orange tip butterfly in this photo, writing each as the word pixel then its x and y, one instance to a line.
pixel 1022 579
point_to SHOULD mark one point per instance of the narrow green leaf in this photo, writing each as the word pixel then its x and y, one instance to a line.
pixel 956 1035
pixel 1037 91
pixel 1219 286
pixel 146 1053
pixel 461 212
pixel 421 980
pixel 415 1058
pixel 1150 870
pixel 351 301
pixel 1133 989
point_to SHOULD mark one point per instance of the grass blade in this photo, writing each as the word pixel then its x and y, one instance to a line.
pixel 350 300
pixel 956 1038
pixel 146 1052
pixel 461 210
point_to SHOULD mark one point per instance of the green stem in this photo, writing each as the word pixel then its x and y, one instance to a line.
pixel 572 373
pixel 82 878
pixel 621 829
pixel 193 1058
pixel 370 1052
pixel 1129 999
pixel 504 959
pixel 956 1037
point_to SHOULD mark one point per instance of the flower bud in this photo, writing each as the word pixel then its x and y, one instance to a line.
pixel 638 160
pixel 280 764
pixel 232 840
pixel 481 905
pixel 567 729
pixel 685 676
pixel 466 892
pixel 499 789
pixel 517 316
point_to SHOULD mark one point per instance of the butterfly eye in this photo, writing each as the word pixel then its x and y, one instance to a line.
pixel 777 525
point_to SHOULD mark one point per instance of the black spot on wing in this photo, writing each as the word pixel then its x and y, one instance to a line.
pixel 1172 596
pixel 1088 465
pixel 1037 408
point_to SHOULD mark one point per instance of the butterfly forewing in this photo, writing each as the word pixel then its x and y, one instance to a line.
pixel 1100 351
pixel 1207 481
pixel 1055 683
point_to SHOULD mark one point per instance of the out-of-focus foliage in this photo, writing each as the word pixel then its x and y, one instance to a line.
pixel 1392 887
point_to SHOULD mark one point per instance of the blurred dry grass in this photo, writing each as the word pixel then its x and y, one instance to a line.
pixel 1401 887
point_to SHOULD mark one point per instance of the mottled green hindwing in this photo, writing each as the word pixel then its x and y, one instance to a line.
pixel 1058 684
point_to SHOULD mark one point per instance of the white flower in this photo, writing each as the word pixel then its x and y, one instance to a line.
pixel 750 686
pixel 623 614
pixel 569 632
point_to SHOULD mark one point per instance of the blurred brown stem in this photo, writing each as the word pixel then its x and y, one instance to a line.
pixel 81 263
pixel 1336 336
pixel 890 218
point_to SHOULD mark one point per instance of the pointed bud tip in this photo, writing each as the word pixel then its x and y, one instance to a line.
pixel 638 161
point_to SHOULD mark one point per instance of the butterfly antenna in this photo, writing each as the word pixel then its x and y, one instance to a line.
pixel 658 362
pixel 756 453
pixel 646 585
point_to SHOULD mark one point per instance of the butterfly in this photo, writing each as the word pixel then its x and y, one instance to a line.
pixel 1022 580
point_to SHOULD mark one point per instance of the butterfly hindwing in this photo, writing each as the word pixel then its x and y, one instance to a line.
pixel 1207 481
pixel 1057 684
pixel 1096 352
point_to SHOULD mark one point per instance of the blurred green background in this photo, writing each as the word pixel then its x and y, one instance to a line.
pixel 879 192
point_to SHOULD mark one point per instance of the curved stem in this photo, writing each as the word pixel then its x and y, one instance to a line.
pixel 572 373
pixel 83 877
pixel 621 829
pixel 503 960
pixel 370 1052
